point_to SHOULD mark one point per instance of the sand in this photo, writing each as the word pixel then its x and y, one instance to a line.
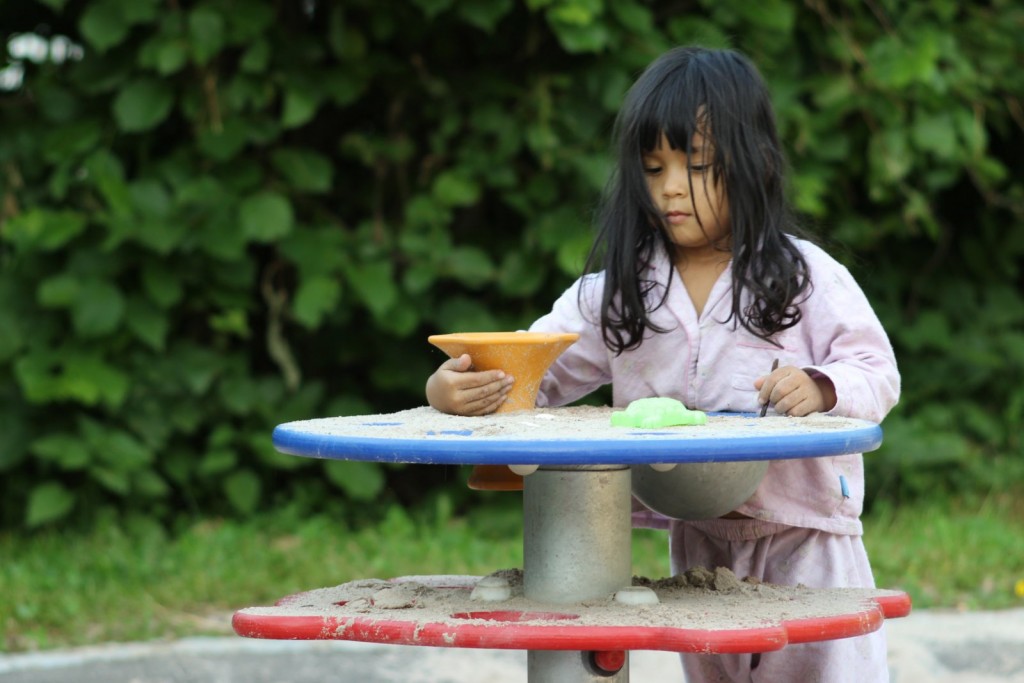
pixel 570 423
pixel 699 599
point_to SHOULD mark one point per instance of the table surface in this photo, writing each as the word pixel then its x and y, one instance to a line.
pixel 439 612
pixel 579 435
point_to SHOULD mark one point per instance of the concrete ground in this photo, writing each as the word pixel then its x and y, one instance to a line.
pixel 926 647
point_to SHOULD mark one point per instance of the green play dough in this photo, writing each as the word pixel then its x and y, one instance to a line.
pixel 651 413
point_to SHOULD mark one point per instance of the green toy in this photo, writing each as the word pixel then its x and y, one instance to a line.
pixel 652 413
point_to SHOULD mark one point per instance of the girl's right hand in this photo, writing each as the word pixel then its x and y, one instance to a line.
pixel 455 389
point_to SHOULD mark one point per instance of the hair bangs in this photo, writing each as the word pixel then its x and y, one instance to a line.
pixel 673 104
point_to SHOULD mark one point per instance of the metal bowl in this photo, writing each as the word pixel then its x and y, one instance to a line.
pixel 700 490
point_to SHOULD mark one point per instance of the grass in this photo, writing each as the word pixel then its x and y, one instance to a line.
pixel 59 590
pixel 967 553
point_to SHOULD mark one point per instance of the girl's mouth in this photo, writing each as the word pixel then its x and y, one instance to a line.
pixel 676 217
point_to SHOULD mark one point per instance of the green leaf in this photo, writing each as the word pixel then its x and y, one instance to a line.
pixel 810 189
pixel 150 484
pixel 226 143
pixel 305 170
pixel 171 56
pixel 776 16
pixel 142 105
pixel 581 38
pixel 470 265
pixel 361 481
pixel 59 291
pixel 106 173
pixel 266 216
pixel 71 140
pixel 232 321
pixel 316 297
pixel 419 278
pixel 206 31
pixel 456 188
pixel 572 253
pixel 98 309
pixel 113 480
pixel 239 394
pixel 690 29
pixel 890 156
pixel 161 285
pixel 971 131
pixel 300 105
pixel 427 212
pixel 243 490
pixel 46 376
pixel 147 322
pixel 42 229
pixel 150 198
pixel 432 8
pixel 140 11
pixel 12 338
pixel 374 284
pixel 216 461
pixel 402 320
pixel 519 275
pixel 104 25
pixel 48 502
pixel 246 26
pixel 316 251
pixel 90 380
pixel 929 330
pixel 67 451
pixel 936 133
pixel 633 16
pixel 460 313
pixel 197 367
pixel 575 12
pixel 222 236
pixel 894 61
pixel 484 14
pixel 256 58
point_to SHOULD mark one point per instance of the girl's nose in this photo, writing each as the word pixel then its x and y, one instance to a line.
pixel 677 182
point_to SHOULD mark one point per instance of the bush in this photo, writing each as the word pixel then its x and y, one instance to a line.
pixel 217 216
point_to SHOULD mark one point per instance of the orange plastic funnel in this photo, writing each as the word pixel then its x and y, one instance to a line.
pixel 524 355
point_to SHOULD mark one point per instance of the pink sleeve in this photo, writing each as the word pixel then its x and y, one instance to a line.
pixel 851 347
pixel 584 366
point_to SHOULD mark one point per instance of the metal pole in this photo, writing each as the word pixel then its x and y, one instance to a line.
pixel 576 547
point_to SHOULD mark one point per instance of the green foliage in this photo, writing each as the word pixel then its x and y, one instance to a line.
pixel 220 215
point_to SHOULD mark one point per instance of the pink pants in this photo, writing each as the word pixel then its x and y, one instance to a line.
pixel 784 555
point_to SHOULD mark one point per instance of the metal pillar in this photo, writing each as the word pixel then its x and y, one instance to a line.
pixel 576 547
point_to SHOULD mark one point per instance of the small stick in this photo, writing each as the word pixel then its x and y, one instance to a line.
pixel 775 366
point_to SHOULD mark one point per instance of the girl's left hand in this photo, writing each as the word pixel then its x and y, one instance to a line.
pixel 795 393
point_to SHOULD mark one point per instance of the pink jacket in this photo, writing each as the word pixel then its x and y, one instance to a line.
pixel 711 366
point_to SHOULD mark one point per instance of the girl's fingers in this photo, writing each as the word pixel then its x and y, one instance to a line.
pixel 797 396
pixel 468 381
pixel 461 364
pixel 791 391
pixel 487 405
pixel 481 399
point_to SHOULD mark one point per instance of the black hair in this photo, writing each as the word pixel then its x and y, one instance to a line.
pixel 719 93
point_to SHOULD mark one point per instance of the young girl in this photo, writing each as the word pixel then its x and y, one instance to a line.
pixel 698 288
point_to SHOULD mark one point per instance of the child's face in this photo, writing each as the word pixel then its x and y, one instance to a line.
pixel 669 174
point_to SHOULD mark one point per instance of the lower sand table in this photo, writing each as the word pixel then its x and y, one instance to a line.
pixel 575 605
pixel 438 611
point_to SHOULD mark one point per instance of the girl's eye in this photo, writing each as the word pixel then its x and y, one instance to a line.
pixel 700 168
pixel 652 170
